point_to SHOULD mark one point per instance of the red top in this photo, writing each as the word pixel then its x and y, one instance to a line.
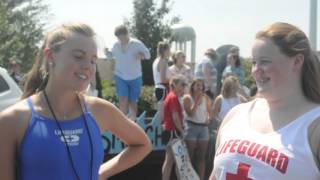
pixel 171 104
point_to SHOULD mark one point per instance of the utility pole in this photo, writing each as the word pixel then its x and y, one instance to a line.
pixel 313 24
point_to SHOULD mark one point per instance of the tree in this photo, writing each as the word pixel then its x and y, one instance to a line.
pixel 148 25
pixel 21 27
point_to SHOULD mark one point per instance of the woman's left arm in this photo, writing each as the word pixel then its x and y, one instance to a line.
pixel 138 145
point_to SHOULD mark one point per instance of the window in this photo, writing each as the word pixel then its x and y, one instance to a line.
pixel 3 85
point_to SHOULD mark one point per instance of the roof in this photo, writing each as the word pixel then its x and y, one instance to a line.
pixel 181 33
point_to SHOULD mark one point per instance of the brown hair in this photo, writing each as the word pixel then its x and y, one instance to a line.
pixel 292 41
pixel 175 56
pixel 236 58
pixel 162 47
pixel 121 30
pixel 234 50
pixel 227 86
pixel 175 80
pixel 211 53
pixel 194 81
pixel 37 77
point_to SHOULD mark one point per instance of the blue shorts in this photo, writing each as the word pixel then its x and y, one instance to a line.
pixel 128 88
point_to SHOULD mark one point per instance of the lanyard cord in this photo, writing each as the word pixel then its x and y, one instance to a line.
pixel 64 138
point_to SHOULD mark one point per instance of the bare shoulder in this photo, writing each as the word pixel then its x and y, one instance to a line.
pixel 100 107
pixel 218 99
pixel 243 99
pixel 104 112
pixel 97 104
pixel 15 113
pixel 14 120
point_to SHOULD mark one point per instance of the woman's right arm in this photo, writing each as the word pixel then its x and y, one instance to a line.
pixel 9 126
pixel 7 148
pixel 188 106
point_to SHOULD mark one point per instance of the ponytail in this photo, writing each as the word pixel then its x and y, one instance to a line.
pixel 37 77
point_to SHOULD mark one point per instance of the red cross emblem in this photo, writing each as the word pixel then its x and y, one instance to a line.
pixel 242 173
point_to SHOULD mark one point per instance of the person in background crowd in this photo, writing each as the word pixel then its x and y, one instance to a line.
pixel 206 70
pixel 179 66
pixel 15 71
pixel 128 53
pixel 173 121
pixel 197 108
pixel 275 136
pixel 161 75
pixel 228 98
pixel 233 68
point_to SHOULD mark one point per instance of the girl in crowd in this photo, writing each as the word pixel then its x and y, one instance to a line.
pixel 275 136
pixel 55 131
pixel 197 106
pixel 161 73
pixel 228 98
pixel 173 121
pixel 179 66
pixel 233 68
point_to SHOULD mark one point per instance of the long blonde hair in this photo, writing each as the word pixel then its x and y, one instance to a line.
pixel 228 85
pixel 37 77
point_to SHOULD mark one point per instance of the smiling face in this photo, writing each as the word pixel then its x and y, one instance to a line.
pixel 272 70
pixel 75 62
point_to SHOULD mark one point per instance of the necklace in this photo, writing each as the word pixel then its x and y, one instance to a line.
pixel 65 140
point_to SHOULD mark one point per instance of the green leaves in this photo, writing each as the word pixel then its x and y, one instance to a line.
pixel 148 24
pixel 21 28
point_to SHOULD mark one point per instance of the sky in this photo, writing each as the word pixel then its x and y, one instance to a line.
pixel 216 22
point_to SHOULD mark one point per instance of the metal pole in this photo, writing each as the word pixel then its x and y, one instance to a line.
pixel 313 24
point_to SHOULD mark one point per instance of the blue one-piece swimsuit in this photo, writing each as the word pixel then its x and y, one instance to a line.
pixel 43 154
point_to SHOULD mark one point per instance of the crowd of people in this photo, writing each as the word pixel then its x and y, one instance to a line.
pixel 271 132
pixel 194 101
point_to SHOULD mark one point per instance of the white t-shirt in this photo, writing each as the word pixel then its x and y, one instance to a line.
pixel 127 66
